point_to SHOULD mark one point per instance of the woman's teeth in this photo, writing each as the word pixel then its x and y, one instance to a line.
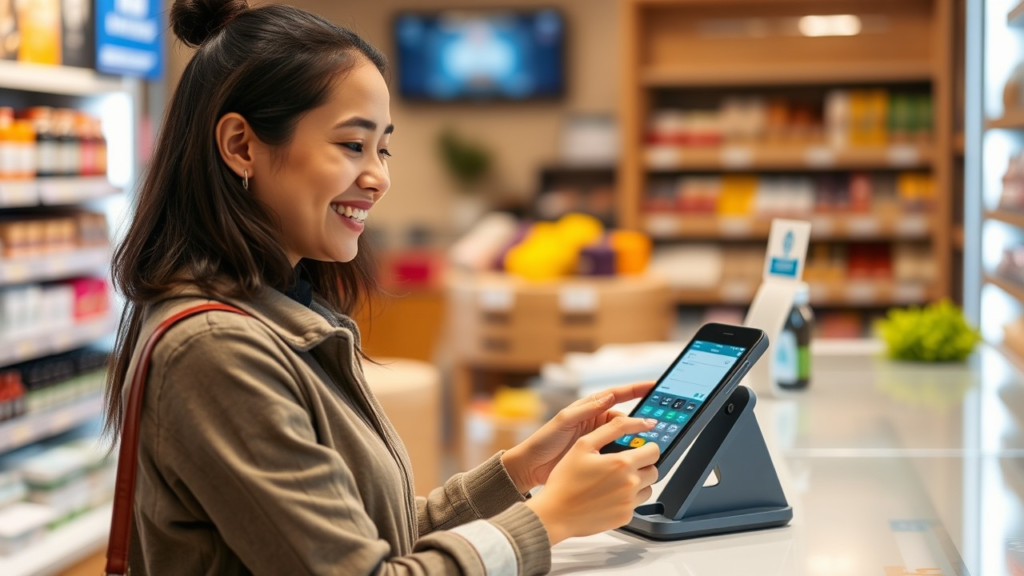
pixel 356 214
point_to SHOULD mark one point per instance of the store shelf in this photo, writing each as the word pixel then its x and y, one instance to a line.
pixel 663 158
pixel 778 74
pixel 54 266
pixel 57 79
pixel 62 547
pixel 1011 287
pixel 1012 120
pixel 1016 16
pixel 54 191
pixel 33 427
pixel 839 227
pixel 1007 216
pixel 850 293
pixel 31 346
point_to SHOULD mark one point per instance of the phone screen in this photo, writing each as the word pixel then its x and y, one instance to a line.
pixel 681 392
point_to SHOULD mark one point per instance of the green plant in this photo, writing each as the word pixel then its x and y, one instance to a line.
pixel 469 163
pixel 935 333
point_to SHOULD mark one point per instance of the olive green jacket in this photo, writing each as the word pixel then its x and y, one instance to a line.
pixel 263 451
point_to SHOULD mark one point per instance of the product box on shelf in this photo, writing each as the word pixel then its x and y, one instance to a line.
pixel 23 524
pixel 500 319
pixel 69 478
pixel 48 32
pixel 41 384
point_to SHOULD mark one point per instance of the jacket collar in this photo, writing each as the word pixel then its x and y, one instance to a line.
pixel 302 327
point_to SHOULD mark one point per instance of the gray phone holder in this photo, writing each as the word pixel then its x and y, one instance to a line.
pixel 748 495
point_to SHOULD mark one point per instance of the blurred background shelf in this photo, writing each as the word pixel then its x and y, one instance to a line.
pixel 31 346
pixel 850 293
pixel 62 547
pixel 1011 287
pixel 1010 120
pixel 54 266
pixel 839 227
pixel 785 74
pixel 29 428
pixel 1007 216
pixel 1016 15
pixel 54 191
pixel 785 157
pixel 67 80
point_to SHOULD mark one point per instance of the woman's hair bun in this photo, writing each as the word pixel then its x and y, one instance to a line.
pixel 194 21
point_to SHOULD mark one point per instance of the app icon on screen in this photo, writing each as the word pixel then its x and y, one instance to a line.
pixel 661 425
pixel 655 398
pixel 678 404
pixel 672 428
pixel 671 415
pixel 637 442
pixel 625 440
pixel 658 413
pixel 690 406
pixel 666 402
pixel 683 417
pixel 647 409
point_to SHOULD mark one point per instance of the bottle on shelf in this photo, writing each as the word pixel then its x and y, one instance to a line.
pixel 793 349
pixel 47 143
pixel 69 161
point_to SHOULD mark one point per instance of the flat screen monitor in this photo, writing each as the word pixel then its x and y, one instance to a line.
pixel 488 55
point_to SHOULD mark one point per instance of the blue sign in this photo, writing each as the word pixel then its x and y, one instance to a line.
pixel 128 38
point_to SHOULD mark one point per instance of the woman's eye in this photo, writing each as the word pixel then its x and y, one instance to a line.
pixel 385 153
pixel 353 146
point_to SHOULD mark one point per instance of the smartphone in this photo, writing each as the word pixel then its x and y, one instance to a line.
pixel 693 389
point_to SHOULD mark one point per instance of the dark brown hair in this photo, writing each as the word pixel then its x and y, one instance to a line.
pixel 193 221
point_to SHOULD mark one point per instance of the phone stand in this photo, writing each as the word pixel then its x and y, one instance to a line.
pixel 748 495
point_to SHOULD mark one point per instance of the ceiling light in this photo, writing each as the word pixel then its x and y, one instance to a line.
pixel 836 25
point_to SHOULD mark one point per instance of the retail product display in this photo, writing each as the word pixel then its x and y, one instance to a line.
pixel 59 481
pixel 38 385
pixel 43 141
pixel 52 307
pixel 771 196
pixel 1012 197
pixel 576 244
pixel 1011 267
pixel 793 346
pixel 709 265
pixel 844 118
pixel 27 236
pixel 934 333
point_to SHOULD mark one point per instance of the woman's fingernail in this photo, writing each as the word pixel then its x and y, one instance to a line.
pixel 607 398
pixel 650 421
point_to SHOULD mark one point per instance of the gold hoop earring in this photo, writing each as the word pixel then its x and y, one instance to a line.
pixel 245 179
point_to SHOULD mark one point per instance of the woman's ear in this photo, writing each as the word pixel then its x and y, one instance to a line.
pixel 235 142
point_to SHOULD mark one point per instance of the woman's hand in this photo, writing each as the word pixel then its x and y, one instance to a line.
pixel 589 492
pixel 531 462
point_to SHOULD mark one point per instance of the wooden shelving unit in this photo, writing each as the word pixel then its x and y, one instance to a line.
pixel 844 294
pixel 1011 287
pixel 680 51
pixel 1016 16
pixel 785 74
pixel 1012 120
pixel 789 158
pixel 1006 216
pixel 859 227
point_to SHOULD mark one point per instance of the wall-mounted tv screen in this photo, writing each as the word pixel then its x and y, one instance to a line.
pixel 481 55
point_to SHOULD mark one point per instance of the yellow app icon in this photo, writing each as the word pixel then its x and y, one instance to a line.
pixel 637 442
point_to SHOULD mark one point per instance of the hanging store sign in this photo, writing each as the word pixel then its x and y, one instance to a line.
pixel 128 38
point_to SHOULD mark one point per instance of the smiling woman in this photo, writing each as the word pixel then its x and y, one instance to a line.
pixel 252 439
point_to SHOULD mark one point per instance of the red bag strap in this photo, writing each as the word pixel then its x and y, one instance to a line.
pixel 127 460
